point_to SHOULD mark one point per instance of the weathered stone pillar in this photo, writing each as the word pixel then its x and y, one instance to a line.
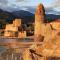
pixel 39 20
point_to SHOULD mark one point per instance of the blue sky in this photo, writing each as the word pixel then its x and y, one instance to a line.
pixel 11 5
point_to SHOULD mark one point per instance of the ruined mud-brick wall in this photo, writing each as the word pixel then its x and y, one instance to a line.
pixel 11 29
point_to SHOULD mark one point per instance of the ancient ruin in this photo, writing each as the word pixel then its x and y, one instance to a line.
pixel 12 30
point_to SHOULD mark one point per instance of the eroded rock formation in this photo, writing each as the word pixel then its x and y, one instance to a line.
pixel 39 19
pixel 50 32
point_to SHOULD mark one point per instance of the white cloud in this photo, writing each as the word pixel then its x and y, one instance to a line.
pixel 57 3
pixel 3 1
pixel 20 0
pixel 29 5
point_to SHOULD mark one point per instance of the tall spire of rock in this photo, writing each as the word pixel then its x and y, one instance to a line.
pixel 40 13
pixel 39 19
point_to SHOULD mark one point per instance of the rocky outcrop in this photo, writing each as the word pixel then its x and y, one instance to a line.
pixel 40 14
pixel 44 31
pixel 50 33
pixel 39 20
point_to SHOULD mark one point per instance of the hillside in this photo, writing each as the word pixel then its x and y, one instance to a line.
pixel 27 17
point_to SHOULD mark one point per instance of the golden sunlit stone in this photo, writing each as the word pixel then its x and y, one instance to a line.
pixel 55 25
pixel 39 19
pixel 10 30
pixel 22 34
pixel 27 55
pixel 17 22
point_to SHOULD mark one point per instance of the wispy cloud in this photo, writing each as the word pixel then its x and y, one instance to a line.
pixel 30 5
pixel 51 11
pixel 3 1
pixel 57 4
pixel 21 0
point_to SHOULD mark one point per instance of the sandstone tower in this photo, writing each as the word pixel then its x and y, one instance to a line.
pixel 39 19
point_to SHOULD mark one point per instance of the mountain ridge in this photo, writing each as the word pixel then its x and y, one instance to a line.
pixel 26 16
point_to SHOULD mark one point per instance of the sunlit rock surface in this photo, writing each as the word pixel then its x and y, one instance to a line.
pixel 39 19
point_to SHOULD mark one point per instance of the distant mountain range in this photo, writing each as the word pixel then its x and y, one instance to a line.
pixel 6 16
pixel 52 17
pixel 26 16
